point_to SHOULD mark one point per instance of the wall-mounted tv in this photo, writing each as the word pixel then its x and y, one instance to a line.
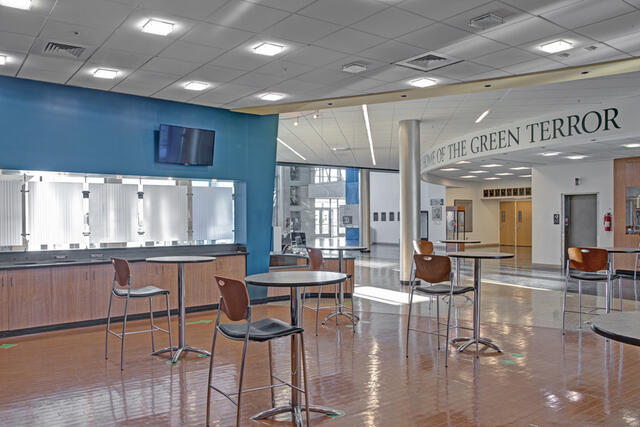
pixel 185 146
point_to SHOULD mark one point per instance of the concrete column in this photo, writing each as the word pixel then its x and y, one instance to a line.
pixel 365 216
pixel 409 155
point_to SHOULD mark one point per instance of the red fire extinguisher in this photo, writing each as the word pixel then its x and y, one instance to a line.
pixel 607 222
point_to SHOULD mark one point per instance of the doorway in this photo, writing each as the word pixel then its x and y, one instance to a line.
pixel 580 221
pixel 515 223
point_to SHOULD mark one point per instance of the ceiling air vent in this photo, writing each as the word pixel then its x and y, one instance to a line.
pixel 64 50
pixel 429 61
pixel 486 21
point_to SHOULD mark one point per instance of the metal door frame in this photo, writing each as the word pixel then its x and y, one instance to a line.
pixel 563 237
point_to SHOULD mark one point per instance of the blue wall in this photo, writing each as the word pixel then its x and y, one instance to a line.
pixel 46 126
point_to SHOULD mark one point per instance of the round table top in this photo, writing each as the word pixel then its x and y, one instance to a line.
pixel 295 279
pixel 621 326
pixel 458 241
pixel 186 259
pixel 621 250
pixel 480 255
pixel 341 248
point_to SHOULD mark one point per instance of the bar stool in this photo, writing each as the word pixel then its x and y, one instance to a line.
pixel 420 247
pixel 121 288
pixel 633 276
pixel 435 269
pixel 316 263
pixel 583 265
pixel 234 302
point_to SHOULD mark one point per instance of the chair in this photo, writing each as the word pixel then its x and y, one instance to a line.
pixel 435 269
pixel 234 302
pixel 121 288
pixel 583 265
pixel 420 247
pixel 633 276
pixel 316 263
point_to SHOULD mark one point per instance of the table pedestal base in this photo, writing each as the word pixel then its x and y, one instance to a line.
pixel 352 317
pixel 468 341
pixel 296 412
pixel 178 351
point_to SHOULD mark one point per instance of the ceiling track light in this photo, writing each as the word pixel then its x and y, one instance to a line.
pixel 292 150
pixel 365 113
pixel 482 116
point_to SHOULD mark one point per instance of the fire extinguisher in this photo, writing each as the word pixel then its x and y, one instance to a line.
pixel 607 222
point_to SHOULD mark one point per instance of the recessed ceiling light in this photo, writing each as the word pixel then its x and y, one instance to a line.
pixel 292 150
pixel 196 86
pixel 491 165
pixel 3 59
pixel 525 176
pixel 482 116
pixel 468 176
pixel 268 49
pixel 449 169
pixel 270 96
pixel 477 171
pixel 550 153
pixel 463 162
pixel 576 157
pixel 556 46
pixel 365 113
pixel 634 145
pixel 423 82
pixel 104 73
pixel 504 173
pixel 354 68
pixel 340 149
pixel 491 178
pixel 520 168
pixel 17 4
pixel 155 26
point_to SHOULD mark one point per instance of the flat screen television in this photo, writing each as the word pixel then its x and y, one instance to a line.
pixel 185 146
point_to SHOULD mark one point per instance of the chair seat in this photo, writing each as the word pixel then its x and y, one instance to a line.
pixel 627 274
pixel 594 277
pixel 262 330
pixel 145 292
pixel 442 289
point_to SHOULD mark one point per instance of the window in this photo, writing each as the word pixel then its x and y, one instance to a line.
pixel 468 213
pixel 322 175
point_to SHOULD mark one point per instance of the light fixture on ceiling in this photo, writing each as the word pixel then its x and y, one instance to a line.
pixel 550 153
pixel 270 96
pixel 576 157
pixel 157 27
pixel 468 176
pixel 463 162
pixel 491 178
pixel 482 116
pixel 197 86
pixel 556 46
pixel 520 168
pixel 105 73
pixel 295 122
pixel 449 169
pixel 292 150
pixel 365 113
pixel 423 82
pixel 340 149
pixel 486 21
pixel 525 176
pixel 17 4
pixel 354 68
pixel 504 173
pixel 633 145
pixel 3 59
pixel 316 114
pixel 268 49
pixel 491 165
pixel 479 171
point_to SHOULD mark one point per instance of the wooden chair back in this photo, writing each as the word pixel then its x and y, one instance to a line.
pixel 588 259
pixel 432 268
pixel 422 247
pixel 123 272
pixel 235 298
pixel 315 259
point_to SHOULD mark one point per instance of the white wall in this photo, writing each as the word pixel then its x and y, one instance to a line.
pixel 549 183
pixel 385 197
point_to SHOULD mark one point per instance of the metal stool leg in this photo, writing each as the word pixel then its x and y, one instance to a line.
pixel 580 303
pixel 409 317
pixel 153 340
pixel 106 341
pixel 244 356
pixel 213 349
pixel 318 309
pixel 564 303
pixel 438 319
pixel 304 374
pixel 446 342
pixel 169 326
pixel 620 291
pixel 273 397
pixel 124 330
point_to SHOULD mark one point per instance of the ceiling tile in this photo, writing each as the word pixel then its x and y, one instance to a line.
pixel 301 29
pixel 322 76
pixel 393 73
pixel 50 63
pixel 119 58
pixel 225 93
pixel 473 48
pixel 392 23
pixel 288 5
pixel 95 13
pixel 314 56
pixel 20 21
pixel 217 36
pixel 510 15
pixel 587 12
pixel 144 83
pixel 600 54
pixel 195 9
pixel 629 43
pixel 439 10
pixel 391 51
pixel 137 42
pixel 540 64
pixel 294 86
pixel 15 42
pixel 284 69
pixel 506 57
pixel 523 31
pixel 214 74
pixel 435 37
pixel 463 70
pixel 342 12
pixel 350 41
pixel 241 58
pixel 613 28
pixel 170 66
pixel 535 7
pixel 257 80
pixel 247 16
pixel 43 75
pixel 174 92
pixel 73 33
pixel 191 52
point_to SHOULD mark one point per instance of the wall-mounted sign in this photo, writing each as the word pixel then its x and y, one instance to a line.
pixel 556 219
pixel 437 202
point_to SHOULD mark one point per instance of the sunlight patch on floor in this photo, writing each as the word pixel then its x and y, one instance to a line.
pixel 387 296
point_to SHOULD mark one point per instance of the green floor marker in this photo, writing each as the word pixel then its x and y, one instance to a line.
pixel 198 322
pixel 8 345
pixel 517 355
pixel 336 415
pixel 508 362
pixel 203 355
pixel 349 326
pixel 170 362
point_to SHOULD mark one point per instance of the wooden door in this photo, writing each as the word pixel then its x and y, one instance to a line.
pixel 523 223
pixel 4 301
pixel 70 294
pixel 507 223
pixel 29 297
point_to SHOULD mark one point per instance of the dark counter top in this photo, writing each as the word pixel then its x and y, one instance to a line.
pixel 325 255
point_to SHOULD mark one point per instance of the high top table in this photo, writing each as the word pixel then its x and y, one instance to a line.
pixel 477 280
pixel 340 309
pixel 181 261
pixel 611 251
pixel 295 280
pixel 622 327
pixel 458 243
